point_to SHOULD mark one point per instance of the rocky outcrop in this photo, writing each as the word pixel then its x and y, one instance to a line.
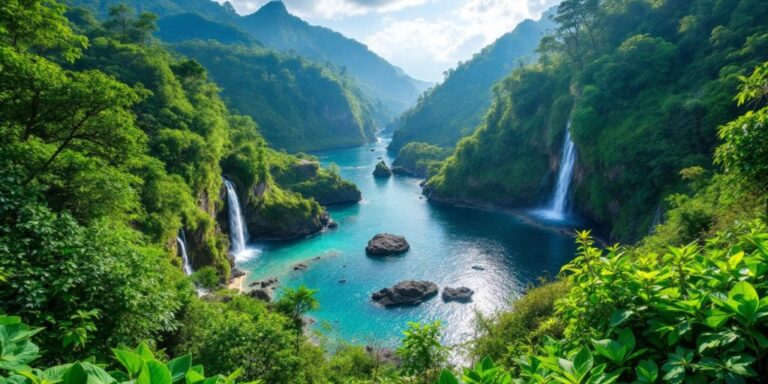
pixel 338 193
pixel 405 293
pixel 403 171
pixel 261 294
pixel 385 244
pixel 382 170
pixel 461 294
pixel 263 290
pixel 282 218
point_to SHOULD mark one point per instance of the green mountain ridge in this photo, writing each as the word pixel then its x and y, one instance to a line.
pixel 454 108
pixel 646 87
pixel 273 26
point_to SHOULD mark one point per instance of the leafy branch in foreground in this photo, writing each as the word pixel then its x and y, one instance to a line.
pixel 138 366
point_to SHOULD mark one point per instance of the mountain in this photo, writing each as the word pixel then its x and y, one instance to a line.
pixel 455 107
pixel 209 9
pixel 643 88
pixel 193 26
pixel 273 26
pixel 299 105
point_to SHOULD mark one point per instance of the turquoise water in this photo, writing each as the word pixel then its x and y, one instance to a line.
pixel 445 243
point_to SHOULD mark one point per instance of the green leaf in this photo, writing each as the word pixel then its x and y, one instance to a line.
pixel 75 375
pixel 159 373
pixel 746 295
pixel 179 367
pixel 583 361
pixel 620 316
pixel 716 318
pixel 647 371
pixel 132 362
pixel 144 351
pixel 447 377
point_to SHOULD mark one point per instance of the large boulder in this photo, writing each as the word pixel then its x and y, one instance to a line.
pixel 263 294
pixel 460 294
pixel 408 292
pixel 382 170
pixel 385 244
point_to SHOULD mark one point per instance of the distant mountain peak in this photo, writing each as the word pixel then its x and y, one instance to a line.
pixel 275 7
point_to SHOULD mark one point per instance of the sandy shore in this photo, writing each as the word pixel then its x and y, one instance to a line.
pixel 238 283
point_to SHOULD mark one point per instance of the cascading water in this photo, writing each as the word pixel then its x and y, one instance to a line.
pixel 558 204
pixel 186 266
pixel 238 234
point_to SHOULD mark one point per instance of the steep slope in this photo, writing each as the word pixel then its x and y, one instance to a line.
pixel 646 90
pixel 299 106
pixel 193 26
pixel 455 107
pixel 163 8
pixel 276 28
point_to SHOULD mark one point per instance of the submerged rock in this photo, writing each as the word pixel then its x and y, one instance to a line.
pixel 461 294
pixel 332 224
pixel 382 170
pixel 385 244
pixel 263 294
pixel 478 268
pixel 408 292
pixel 300 267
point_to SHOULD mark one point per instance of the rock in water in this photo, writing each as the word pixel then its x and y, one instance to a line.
pixel 263 294
pixel 461 294
pixel 385 244
pixel 408 292
pixel 382 170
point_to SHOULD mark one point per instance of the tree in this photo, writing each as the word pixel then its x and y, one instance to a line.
pixel 295 303
pixel 39 26
pixel 744 151
pixel 421 352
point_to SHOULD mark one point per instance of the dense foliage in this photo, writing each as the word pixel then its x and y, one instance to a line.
pixel 137 365
pixel 454 108
pixel 299 106
pixel 645 83
pixel 389 89
pixel 419 159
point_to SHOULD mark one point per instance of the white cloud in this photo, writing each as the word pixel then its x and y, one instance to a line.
pixel 426 47
pixel 330 9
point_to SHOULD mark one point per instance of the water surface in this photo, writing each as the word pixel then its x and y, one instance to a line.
pixel 446 243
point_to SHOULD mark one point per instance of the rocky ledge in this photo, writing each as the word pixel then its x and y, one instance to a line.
pixel 385 244
pixel 263 290
pixel 461 294
pixel 404 293
pixel 382 170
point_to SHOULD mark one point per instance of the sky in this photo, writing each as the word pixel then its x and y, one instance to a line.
pixel 423 37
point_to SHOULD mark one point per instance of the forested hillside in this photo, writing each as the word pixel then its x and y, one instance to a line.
pixel 299 106
pixel 193 26
pixel 387 87
pixel 645 84
pixel 454 108
pixel 276 28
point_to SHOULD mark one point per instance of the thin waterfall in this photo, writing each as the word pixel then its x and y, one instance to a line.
pixel 238 234
pixel 558 204
pixel 185 264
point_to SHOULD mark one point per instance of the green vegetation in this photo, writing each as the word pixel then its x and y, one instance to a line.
pixel 386 85
pixel 299 106
pixel 454 108
pixel 110 145
pixel 646 84
pixel 137 365
pixel 686 305
pixel 420 159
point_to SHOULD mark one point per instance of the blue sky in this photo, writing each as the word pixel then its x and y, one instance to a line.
pixel 424 37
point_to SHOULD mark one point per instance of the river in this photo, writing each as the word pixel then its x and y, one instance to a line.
pixel 446 243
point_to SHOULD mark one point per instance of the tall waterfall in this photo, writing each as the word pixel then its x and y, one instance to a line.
pixel 186 266
pixel 238 234
pixel 558 204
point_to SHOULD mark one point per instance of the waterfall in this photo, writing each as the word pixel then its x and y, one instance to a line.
pixel 186 266
pixel 558 204
pixel 238 234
